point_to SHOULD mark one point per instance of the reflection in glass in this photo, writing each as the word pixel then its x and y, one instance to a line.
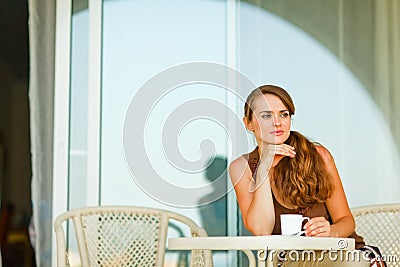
pixel 213 206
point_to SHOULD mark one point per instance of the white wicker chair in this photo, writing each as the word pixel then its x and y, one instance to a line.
pixel 123 236
pixel 380 226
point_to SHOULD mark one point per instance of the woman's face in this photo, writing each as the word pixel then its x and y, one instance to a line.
pixel 271 120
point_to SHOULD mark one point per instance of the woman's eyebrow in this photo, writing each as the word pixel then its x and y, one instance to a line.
pixel 269 111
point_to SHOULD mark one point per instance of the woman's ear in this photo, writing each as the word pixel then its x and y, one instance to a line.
pixel 248 124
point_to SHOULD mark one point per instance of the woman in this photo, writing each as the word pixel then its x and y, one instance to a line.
pixel 287 173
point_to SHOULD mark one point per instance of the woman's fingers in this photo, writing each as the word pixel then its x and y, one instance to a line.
pixel 318 226
pixel 284 150
pixel 270 151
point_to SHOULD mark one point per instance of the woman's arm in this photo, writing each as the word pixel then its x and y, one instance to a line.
pixel 255 200
pixel 256 206
pixel 342 219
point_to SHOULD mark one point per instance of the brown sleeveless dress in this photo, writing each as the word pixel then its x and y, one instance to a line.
pixel 317 210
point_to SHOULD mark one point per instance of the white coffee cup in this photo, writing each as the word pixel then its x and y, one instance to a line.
pixel 291 224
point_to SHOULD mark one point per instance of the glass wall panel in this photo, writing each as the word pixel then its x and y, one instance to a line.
pixel 184 145
pixel 79 97
pixel 314 50
pixel 78 117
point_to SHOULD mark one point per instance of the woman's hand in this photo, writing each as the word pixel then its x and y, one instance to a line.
pixel 269 151
pixel 318 226
pixel 270 155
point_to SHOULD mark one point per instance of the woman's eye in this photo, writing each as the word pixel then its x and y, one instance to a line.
pixel 266 116
pixel 284 115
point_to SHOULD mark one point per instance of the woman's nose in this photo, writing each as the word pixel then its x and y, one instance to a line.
pixel 277 120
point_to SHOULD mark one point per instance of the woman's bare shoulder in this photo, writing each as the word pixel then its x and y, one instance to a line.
pixel 239 168
pixel 239 161
pixel 238 164
pixel 324 152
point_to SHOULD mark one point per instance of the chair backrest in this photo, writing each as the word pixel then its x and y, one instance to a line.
pixel 123 236
pixel 380 226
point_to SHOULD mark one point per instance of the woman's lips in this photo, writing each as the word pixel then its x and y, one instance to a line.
pixel 277 133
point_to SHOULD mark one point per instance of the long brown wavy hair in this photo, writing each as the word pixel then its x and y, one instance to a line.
pixel 303 180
